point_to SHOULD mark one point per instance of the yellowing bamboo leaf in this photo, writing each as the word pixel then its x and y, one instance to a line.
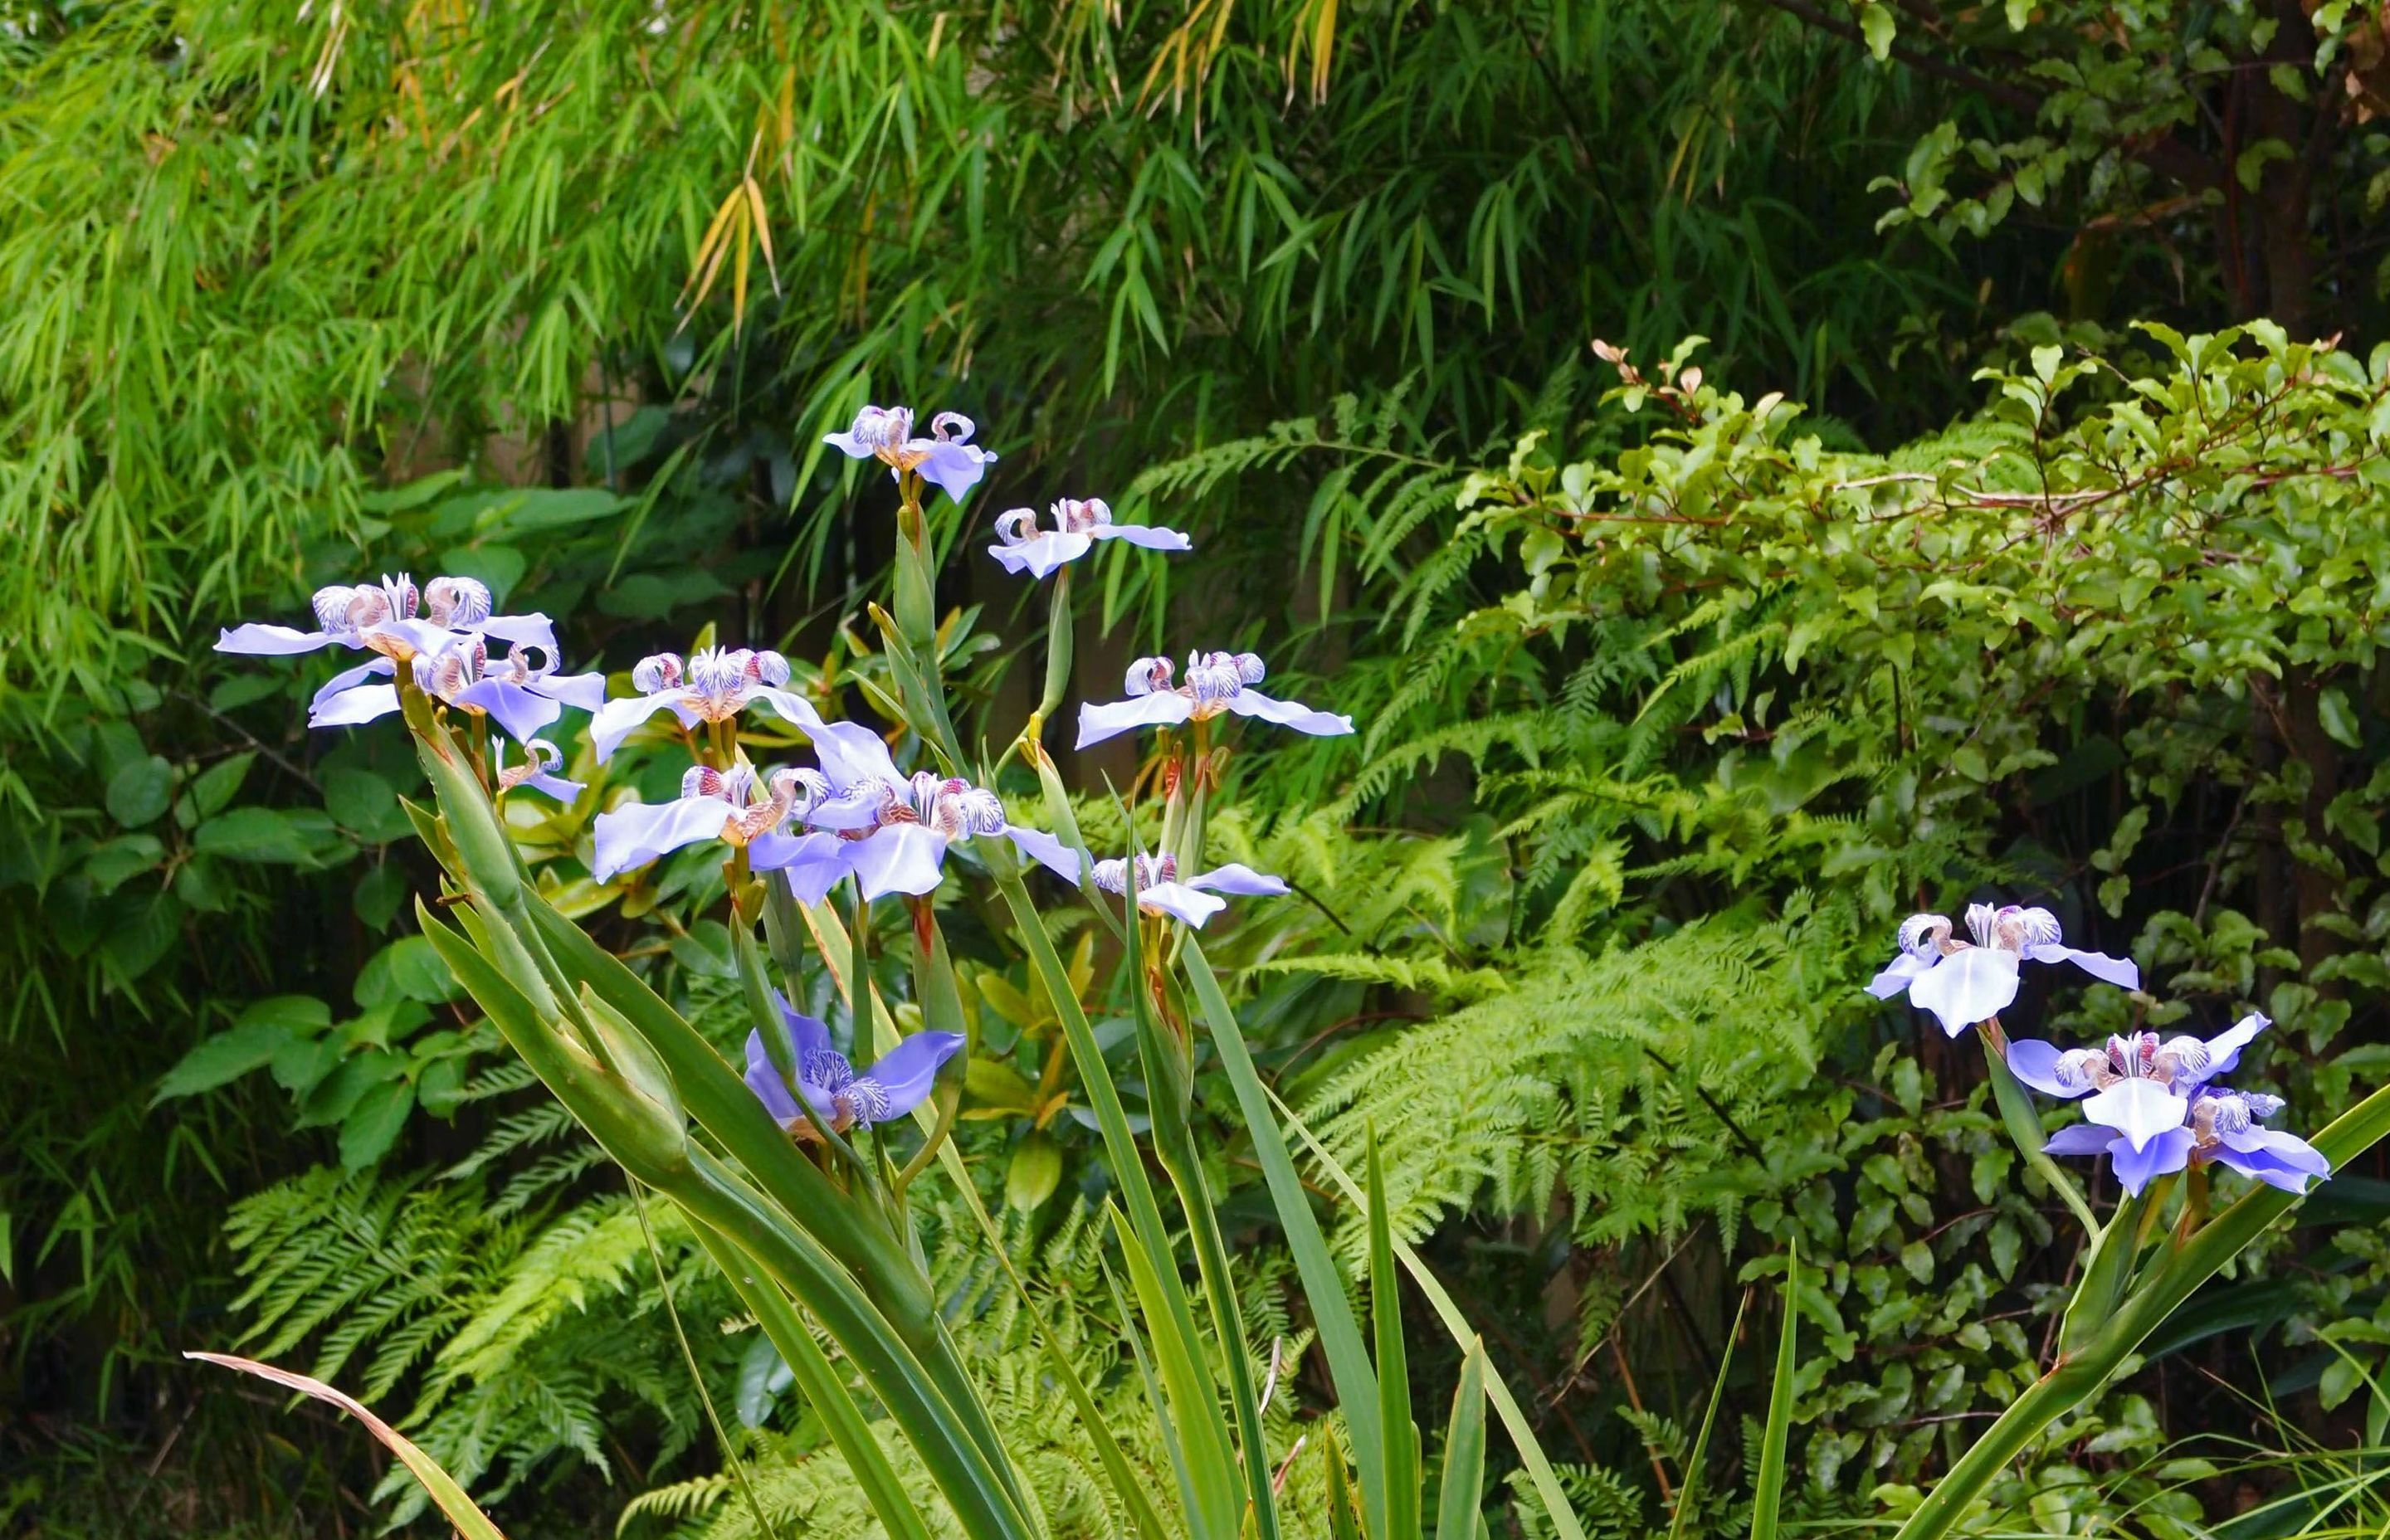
pixel 446 1494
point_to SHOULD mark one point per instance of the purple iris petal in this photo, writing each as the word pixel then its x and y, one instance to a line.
pixel 1898 975
pixel 2036 1062
pixel 1152 537
pixel 852 754
pixel 766 1082
pixel 554 785
pixel 420 638
pixel 348 679
pixel 1046 850
pixel 351 707
pixel 2139 1108
pixel 1181 902
pixel 616 720
pixel 521 711
pixel 906 1073
pixel 952 467
pixel 1161 709
pixel 533 630
pixel 807 1034
pixel 582 691
pixel 2081 1139
pixel 2224 1048
pixel 795 710
pixel 2280 1160
pixel 276 641
pixel 899 858
pixel 2136 1167
pixel 812 863
pixel 2121 971
pixel 1041 554
pixel 1966 987
pixel 1242 880
pixel 635 835
pixel 1290 713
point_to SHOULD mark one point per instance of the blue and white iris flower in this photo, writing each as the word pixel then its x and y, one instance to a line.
pixel 1965 982
pixel 1216 681
pixel 869 820
pixel 897 1081
pixel 2152 1108
pixel 1078 524
pixel 947 458
pixel 714 685
pixel 1159 891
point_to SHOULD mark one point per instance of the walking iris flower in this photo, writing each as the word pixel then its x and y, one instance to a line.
pixel 1078 524
pixel 713 804
pixel 522 697
pixel 394 619
pixel 947 458
pixel 542 760
pixel 716 685
pixel 1159 891
pixel 1963 983
pixel 1216 681
pixel 870 821
pixel 898 1082
pixel 2153 1107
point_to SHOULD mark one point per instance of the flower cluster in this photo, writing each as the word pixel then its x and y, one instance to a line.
pixel 394 619
pixel 855 815
pixel 2151 1104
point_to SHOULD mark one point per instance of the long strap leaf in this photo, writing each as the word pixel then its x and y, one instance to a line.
pixel 824 1390
pixel 448 1495
pixel 1323 1281
pixel 1167 1065
pixel 1393 1363
pixel 1506 1405
pixel 1766 1502
pixel 1178 1346
pixel 1461 1499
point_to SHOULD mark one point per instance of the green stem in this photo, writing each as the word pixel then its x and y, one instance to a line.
pixel 2023 1121
pixel 1061 639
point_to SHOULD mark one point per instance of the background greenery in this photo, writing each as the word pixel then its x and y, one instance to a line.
pixel 1673 701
